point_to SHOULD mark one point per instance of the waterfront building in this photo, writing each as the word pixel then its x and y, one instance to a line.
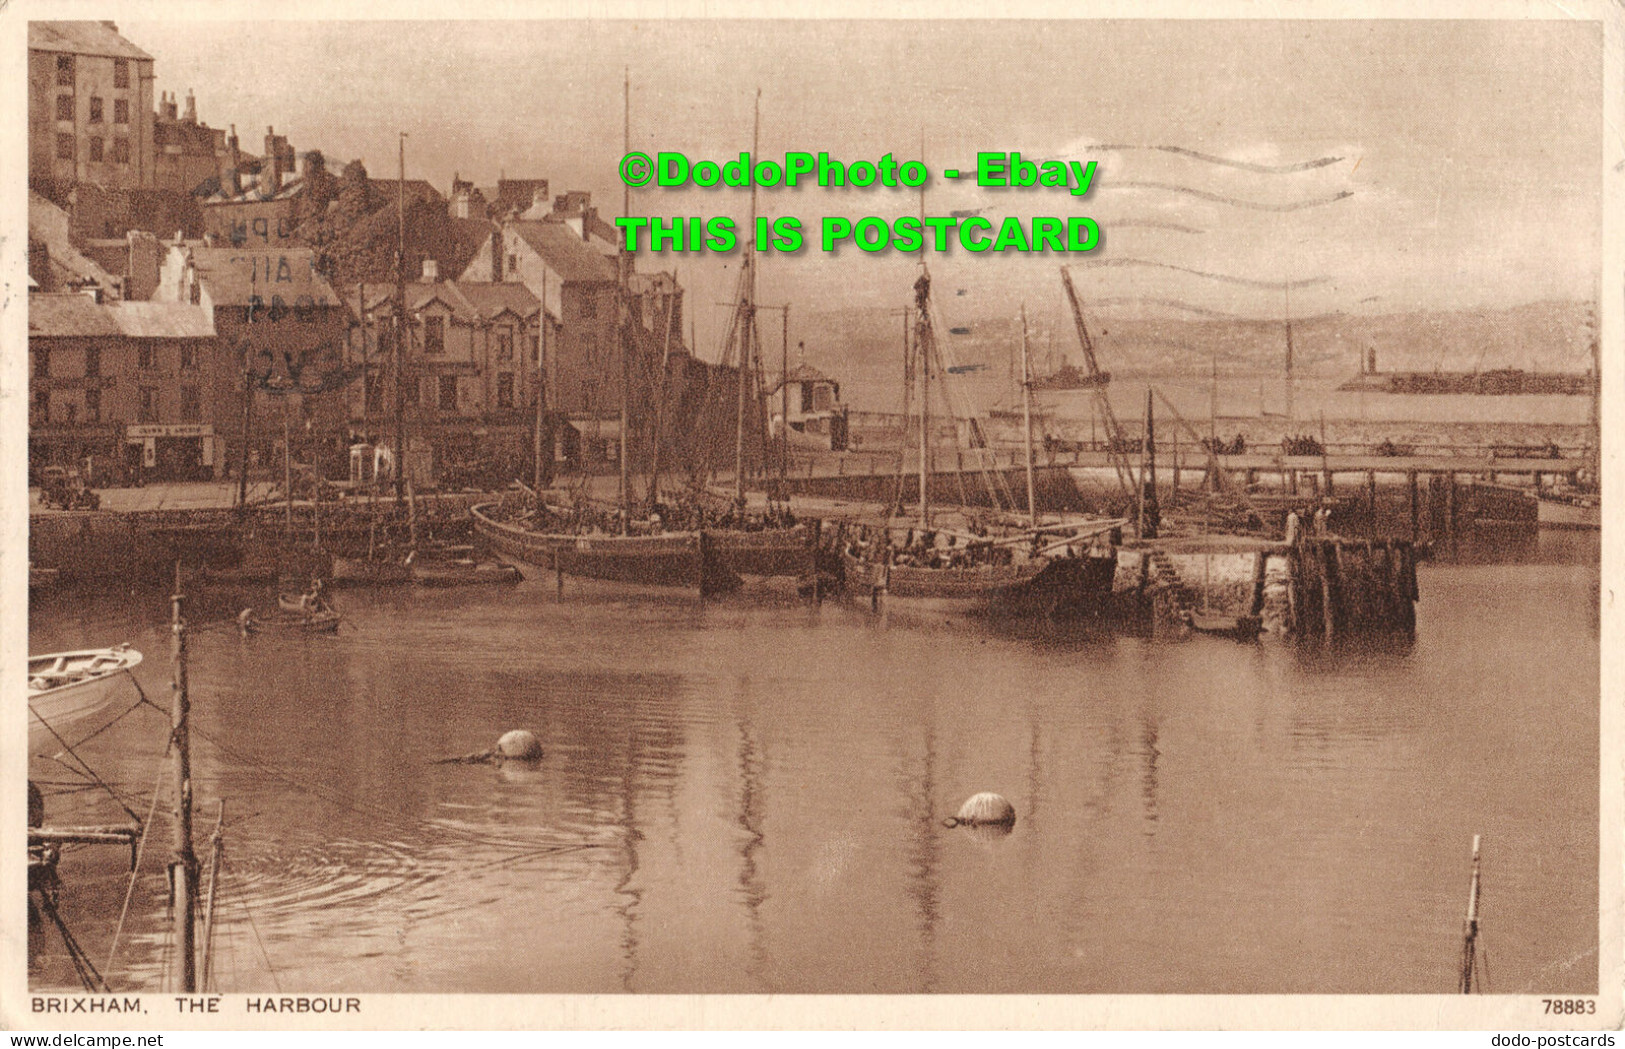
pixel 281 330
pixel 125 390
pixel 90 115
pixel 473 360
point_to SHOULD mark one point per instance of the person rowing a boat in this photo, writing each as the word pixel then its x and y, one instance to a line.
pixel 313 602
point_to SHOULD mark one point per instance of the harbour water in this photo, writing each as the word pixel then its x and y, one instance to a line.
pixel 747 796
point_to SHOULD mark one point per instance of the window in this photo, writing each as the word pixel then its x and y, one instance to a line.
pixel 504 344
pixel 535 344
pixel 374 397
pixel 589 308
pixel 64 107
pixel 93 361
pixel 64 147
pixel 448 393
pixel 93 405
pixel 195 293
pixel 505 390
pixel 95 109
pixel 121 151
pixel 806 396
pixel 121 72
pixel 42 363
pixel 42 405
pixel 148 412
pixel 95 149
pixel 513 266
pixel 188 357
pixel 146 357
pixel 191 405
pixel 121 111
pixel 70 413
pixel 64 70
pixel 434 335
pixel 589 393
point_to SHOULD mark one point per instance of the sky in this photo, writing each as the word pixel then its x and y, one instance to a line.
pixel 1461 160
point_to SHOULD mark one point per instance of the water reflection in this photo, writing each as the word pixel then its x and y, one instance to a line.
pixel 737 798
pixel 752 890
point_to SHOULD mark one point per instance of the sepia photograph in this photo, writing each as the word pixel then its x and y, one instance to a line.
pixel 554 502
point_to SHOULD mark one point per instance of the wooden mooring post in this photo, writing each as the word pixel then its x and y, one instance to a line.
pixel 183 864
pixel 1469 929
pixel 1341 587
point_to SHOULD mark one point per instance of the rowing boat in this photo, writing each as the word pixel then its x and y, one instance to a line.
pixel 65 688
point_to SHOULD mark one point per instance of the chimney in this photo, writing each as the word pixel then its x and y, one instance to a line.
pixel 431 271
pixel 191 107
pixel 142 277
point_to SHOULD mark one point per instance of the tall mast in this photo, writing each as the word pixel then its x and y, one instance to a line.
pixel 400 328
pixel 922 346
pixel 660 394
pixel 626 305
pixel 183 864
pixel 1027 418
pixel 1287 287
pixel 746 347
pixel 541 388
pixel 784 400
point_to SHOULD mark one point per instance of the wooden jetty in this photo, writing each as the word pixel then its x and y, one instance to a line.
pixel 1336 587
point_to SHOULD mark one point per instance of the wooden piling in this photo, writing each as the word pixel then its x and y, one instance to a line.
pixel 1450 515
pixel 1469 930
pixel 1416 508
pixel 183 863
pixel 1260 565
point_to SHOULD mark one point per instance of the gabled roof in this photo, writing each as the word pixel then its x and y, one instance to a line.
pixel 471 302
pixel 804 373
pixel 233 275
pixel 82 38
pixel 68 314
pixel 491 299
pixel 564 250
pixel 416 189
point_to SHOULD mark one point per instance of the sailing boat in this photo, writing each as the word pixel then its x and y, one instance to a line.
pixel 592 542
pixel 1032 572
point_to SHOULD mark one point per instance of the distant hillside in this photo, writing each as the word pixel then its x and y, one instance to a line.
pixel 1541 336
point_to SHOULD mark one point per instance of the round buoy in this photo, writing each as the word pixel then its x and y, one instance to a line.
pixel 519 745
pixel 985 809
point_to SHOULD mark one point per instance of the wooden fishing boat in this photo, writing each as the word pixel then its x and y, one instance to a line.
pixel 463 572
pixel 66 688
pixel 324 622
pixel 1043 587
pixel 666 559
pixel 363 571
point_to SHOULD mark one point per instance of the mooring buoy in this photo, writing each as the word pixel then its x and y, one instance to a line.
pixel 519 745
pixel 984 810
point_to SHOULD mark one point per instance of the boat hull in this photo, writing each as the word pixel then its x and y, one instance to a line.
pixel 51 711
pixel 1046 588
pixel 285 622
pixel 450 575
pixel 673 559
pixel 358 571
pixel 1557 513
pixel 770 552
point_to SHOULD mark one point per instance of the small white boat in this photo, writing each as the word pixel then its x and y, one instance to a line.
pixel 1570 510
pixel 65 688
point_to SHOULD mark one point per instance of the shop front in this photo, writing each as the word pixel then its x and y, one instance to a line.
pixel 174 452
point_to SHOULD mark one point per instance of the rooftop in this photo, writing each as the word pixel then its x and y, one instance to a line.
pixel 82 38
